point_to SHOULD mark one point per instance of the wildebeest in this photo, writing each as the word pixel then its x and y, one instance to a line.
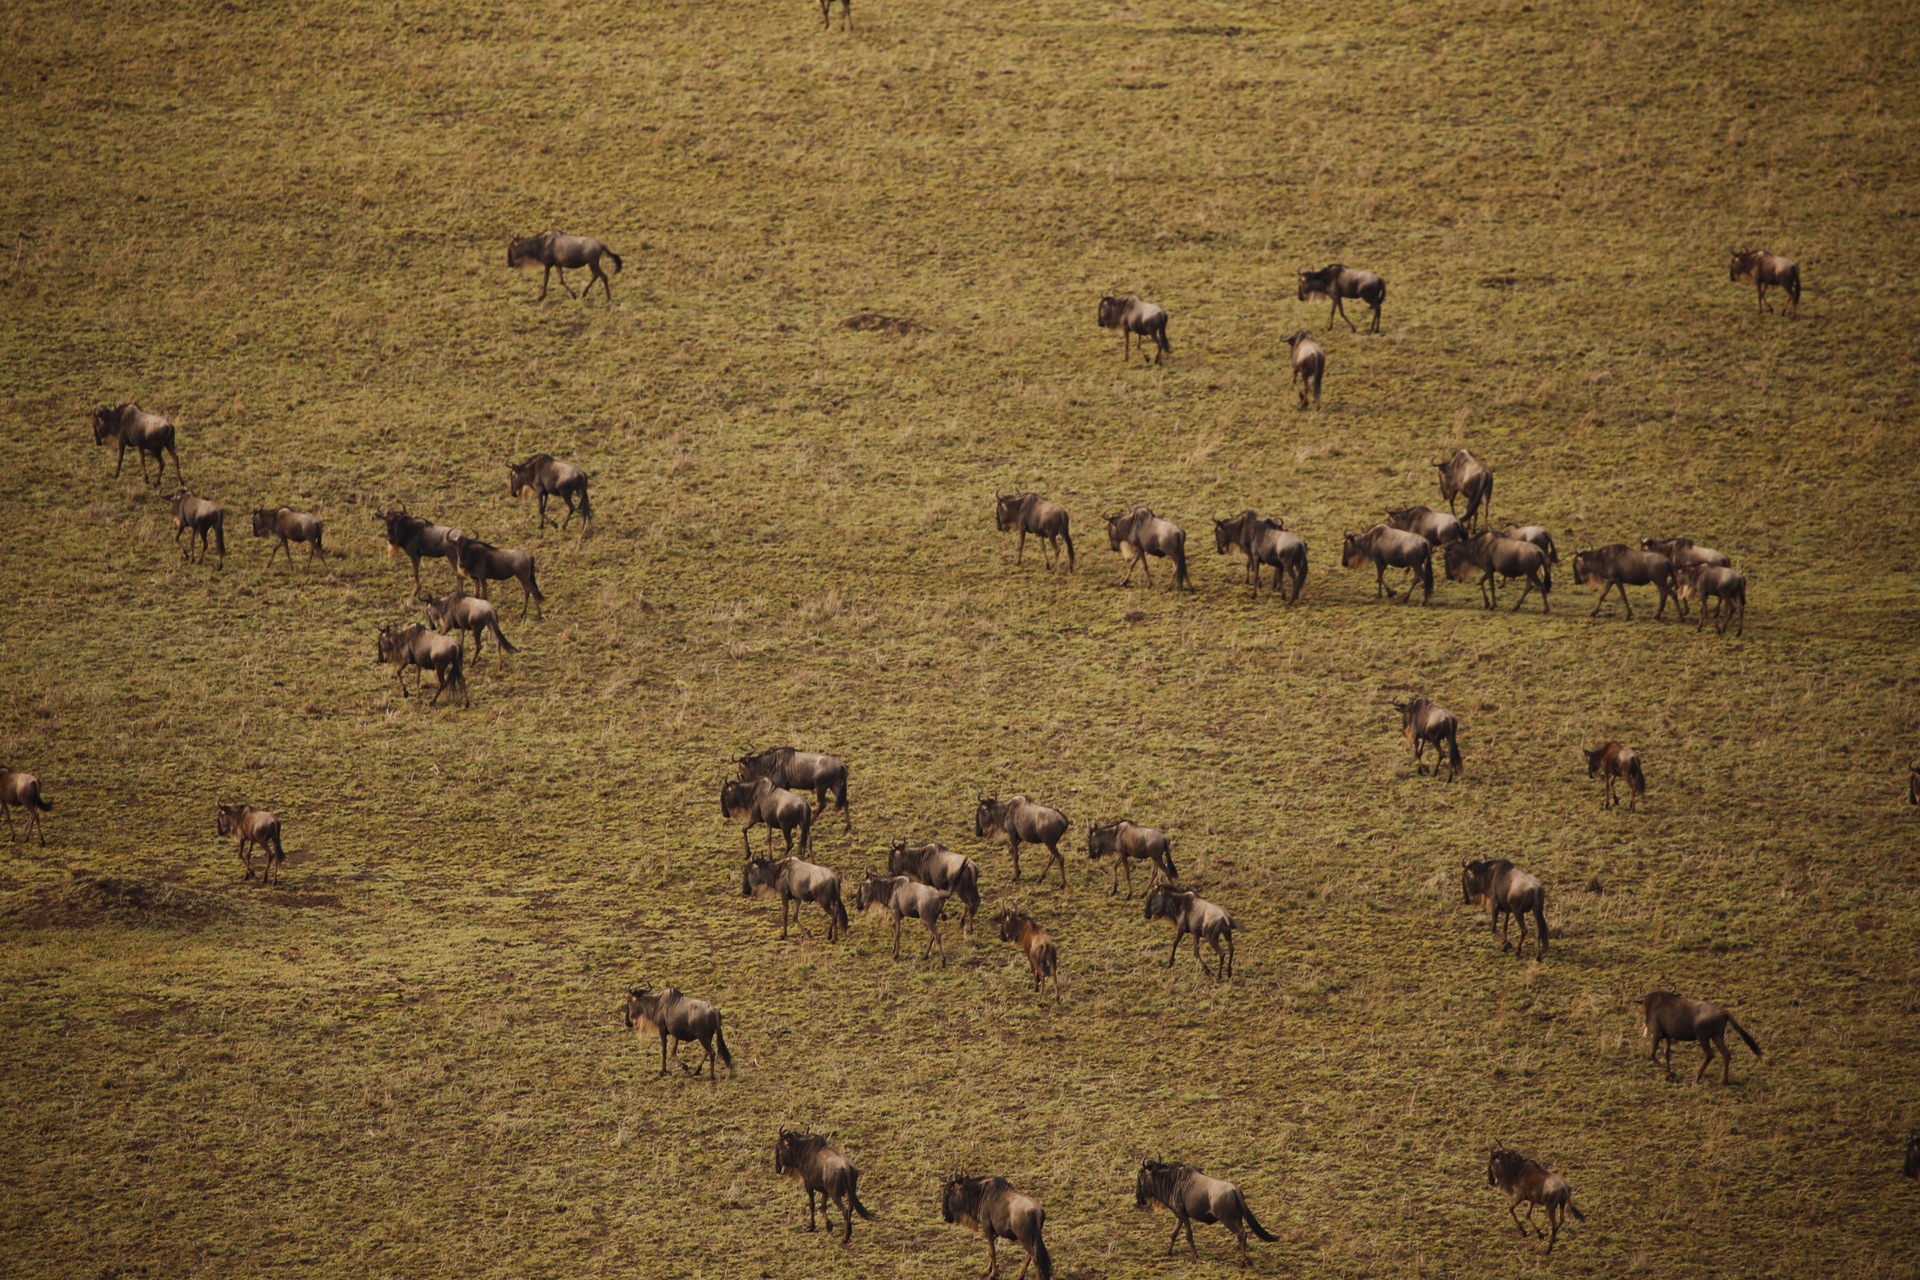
pixel 1618 567
pixel 1727 588
pixel 900 897
pixel 1189 913
pixel 1018 820
pixel 1309 361
pixel 289 526
pixel 1509 893
pixel 1437 527
pixel 846 15
pixel 1265 541
pixel 1684 553
pixel 414 646
pixel 1036 944
pixel 1614 760
pixel 196 518
pixel 562 253
pixel 1384 545
pixel 1667 1016
pixel 1029 513
pixel 810 1160
pixel 1338 282
pixel 683 1020
pixel 1140 533
pixel 414 537
pixel 794 881
pixel 148 434
pixel 990 1207
pixel 546 478
pixel 1465 476
pixel 1762 269
pixel 1492 556
pixel 1535 534
pixel 482 562
pixel 22 790
pixel 1524 1179
pixel 1191 1196
pixel 459 611
pixel 1423 722
pixel 803 771
pixel 1131 315
pixel 1912 1166
pixel 1129 842
pixel 937 866
pixel 760 801
pixel 254 829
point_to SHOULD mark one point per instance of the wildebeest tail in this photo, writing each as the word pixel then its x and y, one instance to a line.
pixel 1042 1259
pixel 1160 336
pixel 1426 575
pixel 1744 1036
pixel 534 582
pixel 616 260
pixel 966 887
pixel 1636 780
pixel 1179 553
pixel 1539 913
pixel 720 1044
pixel 840 912
pixel 1574 1209
pixel 37 801
pixel 586 503
pixel 853 1198
pixel 493 625
pixel 1453 758
pixel 220 534
pixel 1050 964
pixel 1253 1223
pixel 1068 539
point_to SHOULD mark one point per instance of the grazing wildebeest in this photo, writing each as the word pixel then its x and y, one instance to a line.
pixel 561 253
pixel 794 881
pixel 1192 914
pixel 1265 541
pixel 1489 556
pixel 1140 533
pixel 1131 315
pixel 1535 534
pixel 415 537
pixel 990 1207
pixel 1384 545
pixel 289 526
pixel 547 478
pixel 760 801
pixel 1510 894
pixel 1762 269
pixel 1684 553
pixel 1032 514
pixel 1437 527
pixel 1018 820
pixel 23 790
pixel 1727 588
pixel 803 771
pixel 1338 282
pixel 1667 1016
pixel 414 646
pixel 1423 722
pixel 1191 1196
pixel 148 434
pixel 1618 567
pixel 1309 362
pixel 482 562
pixel 683 1020
pixel 1611 761
pixel 459 611
pixel 1128 842
pixel 810 1159
pixel 196 518
pixel 1036 944
pixel 902 896
pixel 846 15
pixel 254 828
pixel 1912 1167
pixel 941 868
pixel 1524 1179
pixel 1465 476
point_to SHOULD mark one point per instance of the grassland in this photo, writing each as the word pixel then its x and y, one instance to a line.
pixel 285 225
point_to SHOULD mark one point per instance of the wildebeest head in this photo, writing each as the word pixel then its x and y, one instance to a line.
pixel 734 796
pixel 954 1200
pixel 1586 567
pixel 1165 902
pixel 1006 508
pixel 1742 265
pixel 1011 925
pixel 1503 1168
pixel 1353 551
pixel 1594 757
pixel 1149 1183
pixel 519 251
pixel 1474 877
pixel 1109 312
pixel 986 816
pixel 263 523
pixel 103 424
pixel 520 477
pixel 1100 840
pixel 636 1006
pixel 228 821
pixel 1295 339
pixel 790 1150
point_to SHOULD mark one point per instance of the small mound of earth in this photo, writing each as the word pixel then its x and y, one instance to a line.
pixel 125 900
pixel 873 321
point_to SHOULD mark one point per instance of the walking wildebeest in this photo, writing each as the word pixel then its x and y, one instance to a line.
pixel 803 771
pixel 482 562
pixel 547 478
pixel 1491 556
pixel 1524 1179
pixel 1384 545
pixel 1764 270
pixel 561 253
pixel 1265 541
pixel 1309 362
pixel 760 801
pixel 1684 553
pixel 1190 913
pixel 1338 282
pixel 148 434
pixel 415 537
pixel 1465 476
pixel 1018 820
pixel 414 646
pixel 196 518
pixel 1618 567
pixel 1423 722
pixel 902 896
pixel 1128 842
pixel 1191 1196
pixel 23 790
pixel 289 526
pixel 1032 514
pixel 1611 761
pixel 1036 944
pixel 1510 894
pixel 1437 527
pixel 846 15
pixel 683 1020
pixel 810 1159
pixel 254 828
pixel 1727 588
pixel 459 611
pixel 1667 1016
pixel 794 881
pixel 1130 315
pixel 939 867
pixel 990 1207
pixel 1535 534
pixel 1140 533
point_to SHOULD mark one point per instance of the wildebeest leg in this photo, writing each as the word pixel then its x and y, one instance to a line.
pixel 1013 846
pixel 1518 952
pixel 601 276
pixel 1020 551
pixel 1053 856
pixel 1511 1206
pixel 1174 1239
pixel 1706 1059
pixel 1179 936
pixel 810 1224
pixel 933 929
pixel 896 935
pixel 1230 955
pixel 1380 586
pixel 1669 1062
pixel 1190 1245
pixel 562 272
pixel 993 1255
pixel 746 849
pixel 545 276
